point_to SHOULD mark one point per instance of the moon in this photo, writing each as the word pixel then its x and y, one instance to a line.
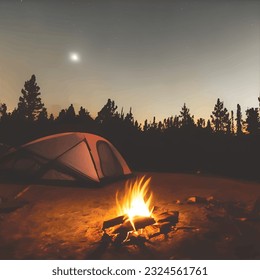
pixel 74 57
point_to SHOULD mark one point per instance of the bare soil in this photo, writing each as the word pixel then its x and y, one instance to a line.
pixel 56 222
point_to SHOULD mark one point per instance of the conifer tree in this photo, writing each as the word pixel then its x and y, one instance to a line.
pixel 252 120
pixel 239 120
pixel 30 104
pixel 201 123
pixel 232 123
pixel 107 112
pixel 43 115
pixel 3 110
pixel 186 119
pixel 220 117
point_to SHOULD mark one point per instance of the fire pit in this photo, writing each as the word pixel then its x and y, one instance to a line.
pixel 137 217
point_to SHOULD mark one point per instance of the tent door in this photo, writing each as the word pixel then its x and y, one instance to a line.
pixel 109 163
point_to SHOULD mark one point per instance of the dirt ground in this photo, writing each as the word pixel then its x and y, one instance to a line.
pixel 54 222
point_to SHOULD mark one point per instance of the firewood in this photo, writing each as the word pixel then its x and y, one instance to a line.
pixel 157 238
pixel 124 228
pixel 142 222
pixel 139 222
pixel 165 227
pixel 151 230
pixel 112 230
pixel 138 240
pixel 120 238
pixel 113 222
pixel 169 216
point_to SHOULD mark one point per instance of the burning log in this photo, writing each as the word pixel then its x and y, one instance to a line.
pixel 123 231
pixel 151 231
pixel 142 222
pixel 114 222
pixel 139 222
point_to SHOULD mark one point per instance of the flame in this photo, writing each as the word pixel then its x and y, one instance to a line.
pixel 136 200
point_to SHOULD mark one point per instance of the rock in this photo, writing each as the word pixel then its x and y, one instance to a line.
pixel 158 238
pixel 170 216
pixel 196 199
pixel 165 227
pixel 210 198
pixel 242 219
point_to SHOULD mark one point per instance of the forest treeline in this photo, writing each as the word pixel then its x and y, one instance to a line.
pixel 227 143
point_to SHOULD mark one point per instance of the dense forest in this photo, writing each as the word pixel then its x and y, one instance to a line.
pixel 227 143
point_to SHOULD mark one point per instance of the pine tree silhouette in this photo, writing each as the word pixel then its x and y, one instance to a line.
pixel 43 115
pixel 30 104
pixel 186 119
pixel 3 110
pixel 239 120
pixel 201 123
pixel 252 120
pixel 70 113
pixel 83 113
pixel 107 112
pixel 232 123
pixel 220 117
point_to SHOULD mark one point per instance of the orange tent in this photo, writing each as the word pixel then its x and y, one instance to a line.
pixel 66 156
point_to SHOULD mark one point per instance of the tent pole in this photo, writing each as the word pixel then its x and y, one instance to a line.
pixel 85 140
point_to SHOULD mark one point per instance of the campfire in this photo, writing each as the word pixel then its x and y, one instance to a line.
pixel 136 202
pixel 137 216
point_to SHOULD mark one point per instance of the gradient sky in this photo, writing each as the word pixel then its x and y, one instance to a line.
pixel 151 55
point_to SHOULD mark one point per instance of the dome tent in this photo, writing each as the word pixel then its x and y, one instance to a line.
pixel 71 156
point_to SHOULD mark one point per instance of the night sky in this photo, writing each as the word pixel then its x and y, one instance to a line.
pixel 149 55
